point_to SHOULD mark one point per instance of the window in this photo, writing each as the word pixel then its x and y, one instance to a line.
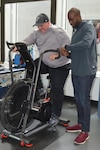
pixel 19 18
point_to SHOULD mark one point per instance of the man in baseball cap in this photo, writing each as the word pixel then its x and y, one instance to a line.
pixel 48 36
pixel 40 19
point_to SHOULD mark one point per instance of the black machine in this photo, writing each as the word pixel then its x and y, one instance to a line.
pixel 22 106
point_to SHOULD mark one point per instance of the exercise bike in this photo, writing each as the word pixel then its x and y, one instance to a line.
pixel 22 106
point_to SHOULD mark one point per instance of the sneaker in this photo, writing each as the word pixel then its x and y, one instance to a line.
pixel 53 120
pixel 75 128
pixel 81 138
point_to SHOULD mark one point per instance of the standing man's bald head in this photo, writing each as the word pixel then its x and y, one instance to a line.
pixel 74 10
pixel 74 17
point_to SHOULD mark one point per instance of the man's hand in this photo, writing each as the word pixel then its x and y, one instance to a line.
pixel 64 52
pixel 53 56
pixel 14 49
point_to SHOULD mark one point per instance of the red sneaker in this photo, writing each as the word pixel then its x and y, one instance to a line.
pixel 75 128
pixel 81 138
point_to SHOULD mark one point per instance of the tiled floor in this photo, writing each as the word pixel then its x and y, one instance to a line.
pixel 60 140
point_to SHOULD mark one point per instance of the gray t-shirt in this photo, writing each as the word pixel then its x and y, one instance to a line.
pixel 54 38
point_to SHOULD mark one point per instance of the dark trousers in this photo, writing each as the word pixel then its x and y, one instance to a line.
pixel 82 87
pixel 57 80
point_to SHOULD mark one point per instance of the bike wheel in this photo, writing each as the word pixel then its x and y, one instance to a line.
pixel 14 107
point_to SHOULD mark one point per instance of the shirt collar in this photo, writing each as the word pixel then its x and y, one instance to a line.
pixel 79 25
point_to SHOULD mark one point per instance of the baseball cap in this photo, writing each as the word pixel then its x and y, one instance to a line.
pixel 40 19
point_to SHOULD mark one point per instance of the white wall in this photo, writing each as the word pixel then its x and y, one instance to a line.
pixel 89 9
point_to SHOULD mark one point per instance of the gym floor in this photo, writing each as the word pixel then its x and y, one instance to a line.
pixel 47 139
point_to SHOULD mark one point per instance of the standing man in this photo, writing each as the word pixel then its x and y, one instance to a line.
pixel 84 67
pixel 48 36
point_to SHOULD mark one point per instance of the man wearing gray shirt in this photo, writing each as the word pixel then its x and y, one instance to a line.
pixel 48 36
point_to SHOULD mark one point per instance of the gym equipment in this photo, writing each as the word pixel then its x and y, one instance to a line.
pixel 23 111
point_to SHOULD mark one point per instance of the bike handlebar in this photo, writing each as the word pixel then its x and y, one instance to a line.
pixel 11 46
